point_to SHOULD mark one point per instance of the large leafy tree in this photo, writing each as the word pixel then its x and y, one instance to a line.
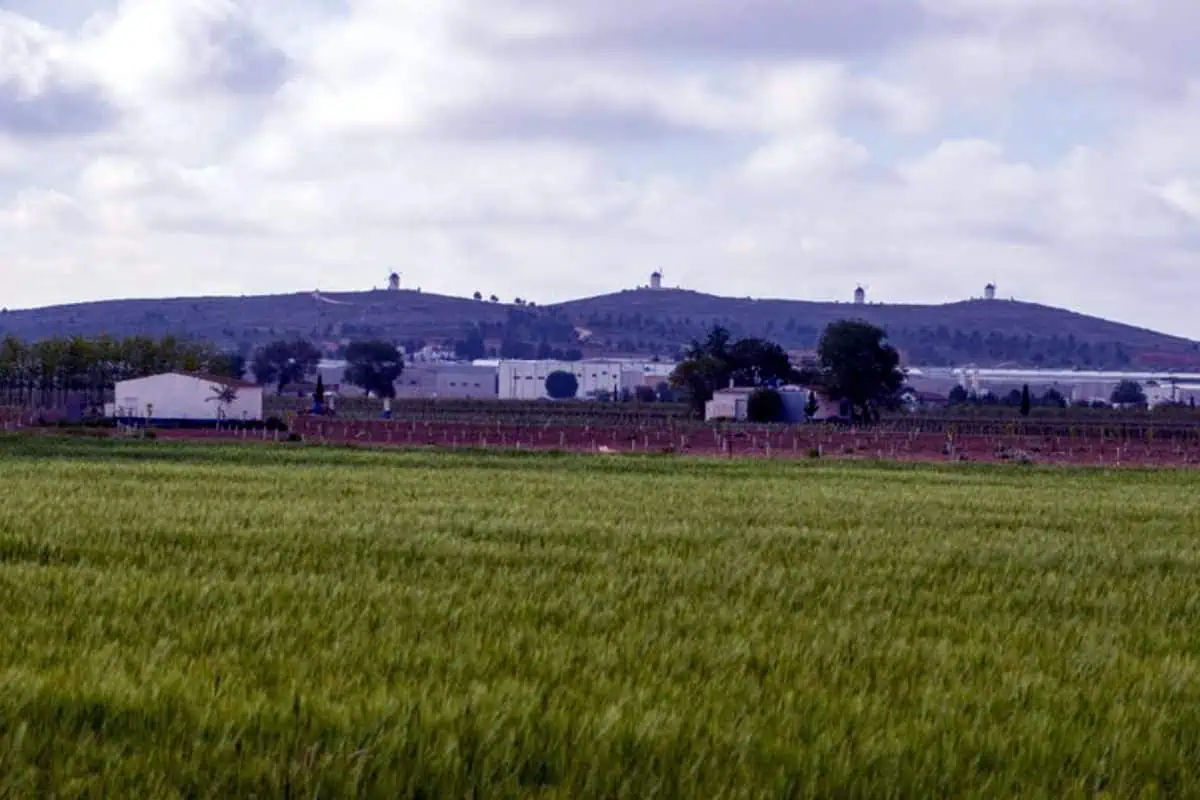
pixel 1129 393
pixel 766 406
pixel 758 362
pixel 561 385
pixel 282 362
pixel 859 367
pixel 229 365
pixel 719 361
pixel 374 366
pixel 472 347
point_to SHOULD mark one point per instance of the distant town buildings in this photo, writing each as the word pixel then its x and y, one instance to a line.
pixel 507 379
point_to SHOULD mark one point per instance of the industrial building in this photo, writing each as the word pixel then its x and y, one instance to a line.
pixel 505 379
pixel 461 381
pixel 526 380
pixel 1078 386
pixel 187 397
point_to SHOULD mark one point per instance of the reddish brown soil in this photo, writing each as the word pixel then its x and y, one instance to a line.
pixel 803 442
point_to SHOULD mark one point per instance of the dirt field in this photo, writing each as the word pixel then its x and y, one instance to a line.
pixel 1149 445
pixel 798 442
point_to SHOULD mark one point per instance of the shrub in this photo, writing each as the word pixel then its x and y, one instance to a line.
pixel 765 406
pixel 562 385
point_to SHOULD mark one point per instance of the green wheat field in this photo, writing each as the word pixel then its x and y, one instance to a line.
pixel 289 621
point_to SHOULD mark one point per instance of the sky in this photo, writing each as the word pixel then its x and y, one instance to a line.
pixel 549 149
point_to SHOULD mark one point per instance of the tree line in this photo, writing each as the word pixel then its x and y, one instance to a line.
pixel 373 365
pixel 50 370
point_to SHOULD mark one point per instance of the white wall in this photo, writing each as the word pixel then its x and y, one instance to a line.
pixel 176 396
pixel 730 406
pixel 734 405
pixel 526 380
pixel 462 381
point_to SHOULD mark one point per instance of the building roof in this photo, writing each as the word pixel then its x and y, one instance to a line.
pixel 221 379
pixel 201 376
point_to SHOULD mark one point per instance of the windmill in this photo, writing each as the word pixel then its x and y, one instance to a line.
pixel 860 294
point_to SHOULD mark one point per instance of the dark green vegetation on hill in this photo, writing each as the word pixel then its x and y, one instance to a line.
pixel 222 621
pixel 634 322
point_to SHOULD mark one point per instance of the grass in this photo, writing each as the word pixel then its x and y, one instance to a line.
pixel 214 621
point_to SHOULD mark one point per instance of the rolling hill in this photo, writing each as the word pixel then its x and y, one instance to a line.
pixel 630 322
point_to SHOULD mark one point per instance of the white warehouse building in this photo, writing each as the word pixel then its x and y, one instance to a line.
pixel 526 380
pixel 179 397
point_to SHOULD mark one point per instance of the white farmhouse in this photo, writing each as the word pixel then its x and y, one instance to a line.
pixel 178 396
pixel 734 405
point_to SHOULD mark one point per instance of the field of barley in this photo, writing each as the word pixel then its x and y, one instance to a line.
pixel 219 621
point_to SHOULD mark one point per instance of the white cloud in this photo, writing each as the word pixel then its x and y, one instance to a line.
pixel 554 149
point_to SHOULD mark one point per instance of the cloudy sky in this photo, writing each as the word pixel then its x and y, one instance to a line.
pixel 554 148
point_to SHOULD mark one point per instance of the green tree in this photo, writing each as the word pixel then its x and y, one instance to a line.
pixel 224 396
pixel 319 395
pixel 719 361
pixel 698 378
pixel 472 347
pixel 812 406
pixel 765 406
pixel 15 369
pixel 562 385
pixel 1054 398
pixel 374 366
pixel 281 362
pixel 756 362
pixel 959 396
pixel 228 365
pixel 1129 393
pixel 645 394
pixel 1026 401
pixel 859 367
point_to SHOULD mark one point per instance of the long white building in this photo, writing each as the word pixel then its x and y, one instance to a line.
pixel 1076 385
pixel 179 397
pixel 526 380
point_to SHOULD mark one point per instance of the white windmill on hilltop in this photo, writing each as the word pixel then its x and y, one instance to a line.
pixel 656 279
pixel 860 295
pixel 394 282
